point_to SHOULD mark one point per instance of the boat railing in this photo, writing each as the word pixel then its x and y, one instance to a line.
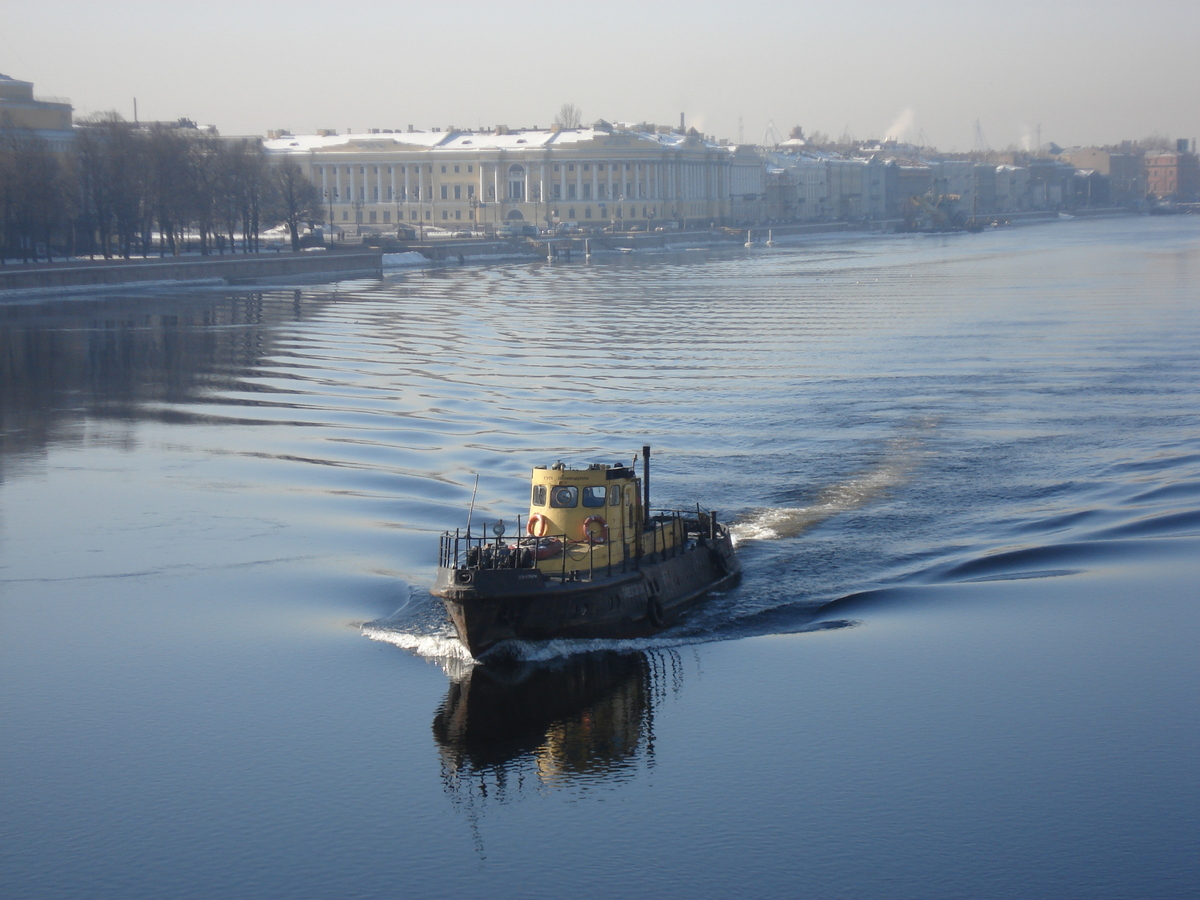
pixel 668 533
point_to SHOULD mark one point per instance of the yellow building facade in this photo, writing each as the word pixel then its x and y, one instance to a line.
pixel 50 118
pixel 597 176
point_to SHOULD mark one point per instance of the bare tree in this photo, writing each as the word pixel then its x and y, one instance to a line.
pixel 296 199
pixel 166 174
pixel 32 195
pixel 569 116
pixel 1157 142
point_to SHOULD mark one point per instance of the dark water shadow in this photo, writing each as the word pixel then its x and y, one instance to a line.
pixel 569 722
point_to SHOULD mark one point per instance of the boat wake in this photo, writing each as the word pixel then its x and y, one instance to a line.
pixel 778 523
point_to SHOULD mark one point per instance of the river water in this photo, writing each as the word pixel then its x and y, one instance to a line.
pixel 964 473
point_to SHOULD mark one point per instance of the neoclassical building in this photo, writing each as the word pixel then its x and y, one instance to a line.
pixel 598 175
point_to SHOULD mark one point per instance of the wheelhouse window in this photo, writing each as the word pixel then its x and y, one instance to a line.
pixel 595 495
pixel 539 495
pixel 614 495
pixel 564 497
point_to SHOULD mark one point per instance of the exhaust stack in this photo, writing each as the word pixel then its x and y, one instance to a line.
pixel 646 483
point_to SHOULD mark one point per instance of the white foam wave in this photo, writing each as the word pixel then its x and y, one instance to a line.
pixel 444 648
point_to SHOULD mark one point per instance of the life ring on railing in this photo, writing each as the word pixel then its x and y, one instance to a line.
pixel 590 537
pixel 537 526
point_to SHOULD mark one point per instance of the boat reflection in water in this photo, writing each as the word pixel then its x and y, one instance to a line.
pixel 507 727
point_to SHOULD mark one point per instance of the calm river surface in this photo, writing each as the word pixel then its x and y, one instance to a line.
pixel 964 660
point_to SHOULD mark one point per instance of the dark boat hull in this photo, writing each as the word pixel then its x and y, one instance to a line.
pixel 501 605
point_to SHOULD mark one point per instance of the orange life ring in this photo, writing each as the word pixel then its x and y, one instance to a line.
pixel 537 526
pixel 599 538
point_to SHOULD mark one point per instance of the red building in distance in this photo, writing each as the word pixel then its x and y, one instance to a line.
pixel 1174 175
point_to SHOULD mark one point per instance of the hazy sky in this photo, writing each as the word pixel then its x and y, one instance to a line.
pixel 1086 72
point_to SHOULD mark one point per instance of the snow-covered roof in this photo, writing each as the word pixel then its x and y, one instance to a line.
pixel 473 140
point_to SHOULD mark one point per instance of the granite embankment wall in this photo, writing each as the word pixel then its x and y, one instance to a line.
pixel 234 269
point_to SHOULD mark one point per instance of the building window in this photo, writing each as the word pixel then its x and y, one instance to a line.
pixel 587 213
pixel 470 168
pixel 570 192
pixel 445 214
pixel 445 192
pixel 362 170
pixel 372 217
pixel 587 192
pixel 428 215
pixel 587 167
pixel 602 191
pixel 443 170
pixel 413 215
pixel 458 214
pixel 571 212
pixel 375 194
pixel 345 216
pixel 470 192
pixel 555 167
pixel 458 191
pixel 387 217
pixel 389 193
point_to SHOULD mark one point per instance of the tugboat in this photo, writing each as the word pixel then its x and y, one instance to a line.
pixel 591 560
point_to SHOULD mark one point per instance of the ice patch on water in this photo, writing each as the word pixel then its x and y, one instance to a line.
pixel 408 258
